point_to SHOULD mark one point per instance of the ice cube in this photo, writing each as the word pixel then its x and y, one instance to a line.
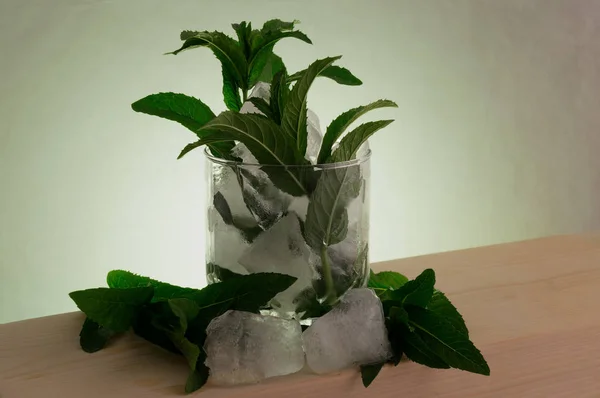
pixel 299 205
pixel 243 347
pixel 256 191
pixel 353 333
pixel 282 249
pixel 315 136
pixel 260 90
pixel 226 243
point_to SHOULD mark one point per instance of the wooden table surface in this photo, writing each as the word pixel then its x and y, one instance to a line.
pixel 532 308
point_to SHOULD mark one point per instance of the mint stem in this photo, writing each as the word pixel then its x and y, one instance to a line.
pixel 330 297
pixel 244 95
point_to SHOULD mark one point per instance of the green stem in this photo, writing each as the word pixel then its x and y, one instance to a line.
pixel 244 95
pixel 331 296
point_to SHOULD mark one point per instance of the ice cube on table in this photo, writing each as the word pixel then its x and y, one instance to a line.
pixel 282 249
pixel 315 136
pixel 352 333
pixel 243 347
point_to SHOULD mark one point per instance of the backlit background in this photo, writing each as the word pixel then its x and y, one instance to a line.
pixel 496 139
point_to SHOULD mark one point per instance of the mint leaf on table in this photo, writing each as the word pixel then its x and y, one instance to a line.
pixel 262 43
pixel 386 280
pixel 230 53
pixel 294 113
pixel 418 351
pixel 243 293
pixel 113 309
pixel 369 373
pixel 351 143
pixel 440 305
pixel 449 344
pixel 94 337
pixel 339 125
pixel 186 310
pixel 119 279
pixel 417 292
pixel 269 145
pixel 336 73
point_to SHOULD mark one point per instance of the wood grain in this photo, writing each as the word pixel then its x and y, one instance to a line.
pixel 532 308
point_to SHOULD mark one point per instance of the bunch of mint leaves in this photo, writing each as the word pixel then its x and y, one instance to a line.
pixel 278 136
pixel 422 324
pixel 172 317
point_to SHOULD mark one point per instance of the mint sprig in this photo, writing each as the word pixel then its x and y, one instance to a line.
pixel 172 317
pixel 424 325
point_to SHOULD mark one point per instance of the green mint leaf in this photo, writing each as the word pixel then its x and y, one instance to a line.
pixel 327 217
pixel 243 293
pixel 197 378
pixel 277 24
pixel 271 146
pixel 272 67
pixel 262 106
pixel 440 305
pixel 113 309
pixel 386 280
pixel 308 306
pixel 352 142
pixel 279 94
pixel 201 142
pixel 264 41
pixel 417 292
pixel 369 373
pixel 222 274
pixel 394 329
pixel 149 325
pixel 248 228
pixel 233 62
pixel 417 350
pixel 243 31
pixel 94 337
pixel 188 111
pixel 339 125
pixel 452 346
pixel 294 113
pixel 120 279
pixel 231 90
pixel 336 73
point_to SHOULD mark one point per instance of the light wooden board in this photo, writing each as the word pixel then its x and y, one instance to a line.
pixel 532 308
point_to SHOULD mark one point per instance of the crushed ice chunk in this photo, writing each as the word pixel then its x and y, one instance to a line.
pixel 260 90
pixel 226 243
pixel 282 249
pixel 243 347
pixel 353 333
pixel 315 136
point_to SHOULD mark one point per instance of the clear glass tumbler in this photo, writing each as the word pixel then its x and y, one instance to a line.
pixel 319 235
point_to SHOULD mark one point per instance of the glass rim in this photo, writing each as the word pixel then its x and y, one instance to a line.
pixel 336 165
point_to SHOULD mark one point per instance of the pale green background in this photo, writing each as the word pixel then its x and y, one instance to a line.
pixel 497 135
